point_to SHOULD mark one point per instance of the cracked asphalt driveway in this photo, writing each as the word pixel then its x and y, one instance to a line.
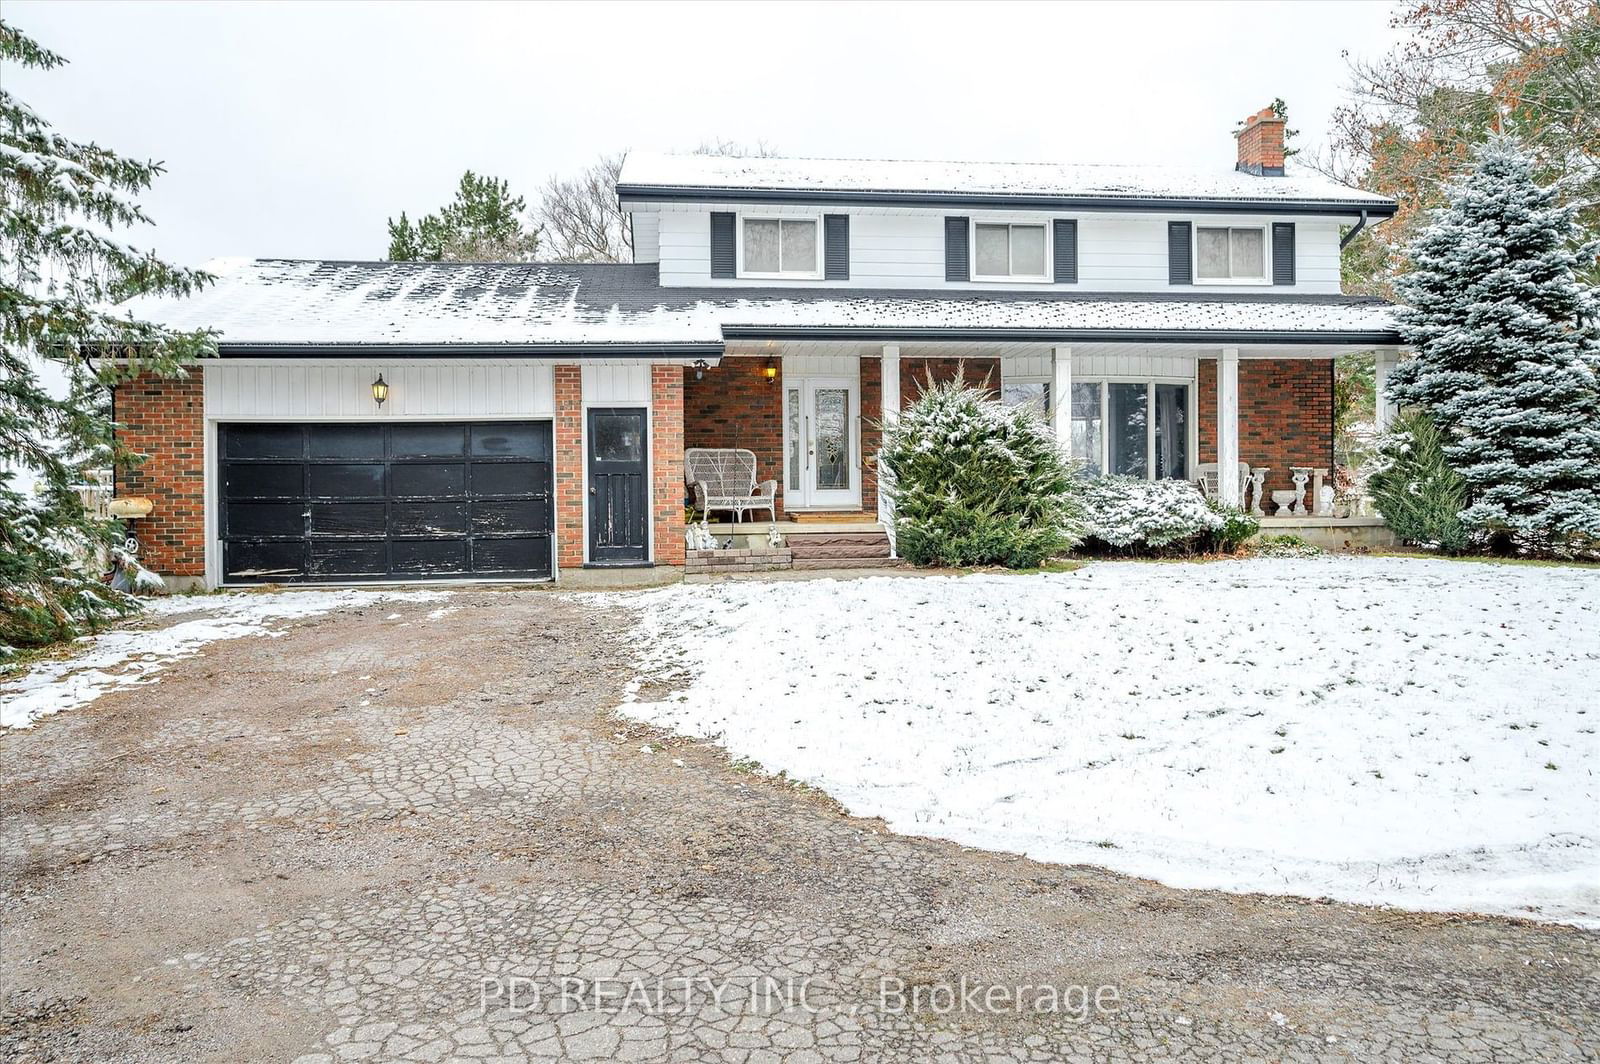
pixel 424 838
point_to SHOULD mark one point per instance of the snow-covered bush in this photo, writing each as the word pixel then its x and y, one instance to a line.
pixel 1507 341
pixel 1286 546
pixel 975 482
pixel 1131 515
pixel 1238 526
pixel 1415 489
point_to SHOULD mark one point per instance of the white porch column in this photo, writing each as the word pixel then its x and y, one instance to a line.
pixel 889 387
pixel 1061 395
pixel 1385 360
pixel 1228 424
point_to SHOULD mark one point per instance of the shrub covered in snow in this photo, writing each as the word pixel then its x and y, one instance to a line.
pixel 1286 546
pixel 975 482
pixel 1128 515
pixel 1416 491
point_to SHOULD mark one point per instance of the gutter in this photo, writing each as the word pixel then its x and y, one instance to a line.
pixel 627 194
pixel 710 349
pixel 1062 336
pixel 1353 233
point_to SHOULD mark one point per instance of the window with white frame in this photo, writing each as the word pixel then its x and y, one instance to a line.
pixel 1132 428
pixel 1032 392
pixel 1230 254
pixel 1003 252
pixel 779 247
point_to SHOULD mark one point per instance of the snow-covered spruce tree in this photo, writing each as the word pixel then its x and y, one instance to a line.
pixel 1417 492
pixel 1508 356
pixel 978 483
pixel 61 346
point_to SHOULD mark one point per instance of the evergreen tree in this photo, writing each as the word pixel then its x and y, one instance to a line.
pixel 482 224
pixel 1508 355
pixel 60 273
pixel 1417 492
pixel 975 482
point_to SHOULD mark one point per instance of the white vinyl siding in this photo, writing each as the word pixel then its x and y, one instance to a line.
pixel 904 248
pixel 324 391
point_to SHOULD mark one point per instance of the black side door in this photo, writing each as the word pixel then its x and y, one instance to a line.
pixel 619 497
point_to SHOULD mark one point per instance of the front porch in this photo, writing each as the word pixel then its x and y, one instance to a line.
pixel 812 414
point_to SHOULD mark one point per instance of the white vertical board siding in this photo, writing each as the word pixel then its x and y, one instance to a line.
pixel 333 391
pixel 796 366
pixel 904 248
pixel 616 384
pixel 1134 364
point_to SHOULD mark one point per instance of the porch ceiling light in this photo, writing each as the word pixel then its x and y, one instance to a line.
pixel 699 369
pixel 770 371
pixel 380 390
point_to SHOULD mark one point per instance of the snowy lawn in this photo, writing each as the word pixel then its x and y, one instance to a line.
pixel 1394 731
pixel 126 657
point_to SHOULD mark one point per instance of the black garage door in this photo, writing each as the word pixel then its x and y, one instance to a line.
pixel 373 502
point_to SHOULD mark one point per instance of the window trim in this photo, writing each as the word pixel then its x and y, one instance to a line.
pixel 1192 445
pixel 1266 255
pixel 815 274
pixel 1046 277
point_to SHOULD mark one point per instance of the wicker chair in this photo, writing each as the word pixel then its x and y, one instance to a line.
pixel 1209 479
pixel 724 478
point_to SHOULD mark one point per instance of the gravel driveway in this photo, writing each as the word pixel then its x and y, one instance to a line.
pixel 422 838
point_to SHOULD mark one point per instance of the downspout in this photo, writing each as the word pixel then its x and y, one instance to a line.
pixel 1352 234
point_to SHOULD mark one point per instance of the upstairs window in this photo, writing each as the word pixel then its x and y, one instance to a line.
pixel 1230 255
pixel 780 247
pixel 1008 252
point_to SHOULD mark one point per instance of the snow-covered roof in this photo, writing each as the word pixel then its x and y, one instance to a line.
pixel 647 174
pixel 320 304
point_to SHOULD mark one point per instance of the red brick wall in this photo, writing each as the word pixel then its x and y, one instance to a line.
pixel 1285 415
pixel 735 406
pixel 977 372
pixel 871 434
pixel 666 462
pixel 163 419
pixel 569 466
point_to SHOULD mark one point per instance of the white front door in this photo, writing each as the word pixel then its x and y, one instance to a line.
pixel 821 444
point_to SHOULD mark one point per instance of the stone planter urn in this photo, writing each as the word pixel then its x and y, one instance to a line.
pixel 1284 499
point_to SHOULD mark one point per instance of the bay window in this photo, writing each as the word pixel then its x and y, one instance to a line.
pixel 1230 255
pixel 1008 252
pixel 1131 428
pixel 779 247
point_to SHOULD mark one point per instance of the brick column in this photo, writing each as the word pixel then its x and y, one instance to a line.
pixel 163 420
pixel 871 434
pixel 569 466
pixel 666 462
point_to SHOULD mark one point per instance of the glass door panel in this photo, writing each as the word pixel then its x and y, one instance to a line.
pixel 1128 415
pixel 830 433
pixel 1172 431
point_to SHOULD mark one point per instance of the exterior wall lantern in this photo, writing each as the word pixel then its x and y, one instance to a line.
pixel 699 369
pixel 770 371
pixel 380 390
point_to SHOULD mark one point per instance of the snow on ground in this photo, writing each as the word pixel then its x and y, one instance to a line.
pixel 127 657
pixel 1391 731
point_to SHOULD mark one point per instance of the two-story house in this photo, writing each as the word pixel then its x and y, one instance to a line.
pixel 390 420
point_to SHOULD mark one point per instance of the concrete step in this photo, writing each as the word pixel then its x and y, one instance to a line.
pixel 848 563
pixel 880 549
pixel 833 539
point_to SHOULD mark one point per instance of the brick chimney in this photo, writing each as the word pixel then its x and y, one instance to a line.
pixel 1261 144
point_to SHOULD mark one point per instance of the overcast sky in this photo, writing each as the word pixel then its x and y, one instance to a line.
pixel 296 129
